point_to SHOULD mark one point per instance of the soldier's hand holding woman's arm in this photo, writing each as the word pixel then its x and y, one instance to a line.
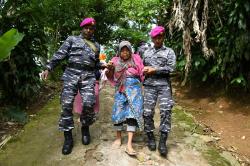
pixel 148 70
pixel 110 65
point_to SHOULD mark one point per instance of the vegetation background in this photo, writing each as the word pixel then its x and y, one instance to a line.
pixel 211 39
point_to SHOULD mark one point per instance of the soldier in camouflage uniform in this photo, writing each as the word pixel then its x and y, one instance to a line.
pixel 82 54
pixel 159 62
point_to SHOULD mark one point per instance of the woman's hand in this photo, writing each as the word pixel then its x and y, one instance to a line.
pixel 110 72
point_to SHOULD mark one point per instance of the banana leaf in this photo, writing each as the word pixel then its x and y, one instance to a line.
pixel 8 41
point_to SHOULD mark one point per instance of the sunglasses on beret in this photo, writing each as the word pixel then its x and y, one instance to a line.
pixel 89 27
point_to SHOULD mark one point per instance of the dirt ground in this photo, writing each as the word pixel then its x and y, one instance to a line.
pixel 227 116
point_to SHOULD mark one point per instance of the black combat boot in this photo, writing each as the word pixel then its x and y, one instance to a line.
pixel 151 141
pixel 162 148
pixel 85 135
pixel 68 143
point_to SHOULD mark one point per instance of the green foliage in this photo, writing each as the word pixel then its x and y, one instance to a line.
pixel 231 43
pixel 228 34
pixel 45 24
pixel 20 74
pixel 138 18
pixel 63 17
pixel 8 41
pixel 239 80
pixel 14 114
pixel 132 35
pixel 110 53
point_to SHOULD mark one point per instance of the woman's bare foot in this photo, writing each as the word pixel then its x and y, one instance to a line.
pixel 117 143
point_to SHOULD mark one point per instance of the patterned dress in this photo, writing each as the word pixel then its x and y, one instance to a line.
pixel 128 97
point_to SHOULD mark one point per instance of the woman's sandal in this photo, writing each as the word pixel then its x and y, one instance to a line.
pixel 130 153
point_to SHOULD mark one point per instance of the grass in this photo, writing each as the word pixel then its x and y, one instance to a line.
pixel 36 141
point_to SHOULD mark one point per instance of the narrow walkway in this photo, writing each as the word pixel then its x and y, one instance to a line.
pixel 40 142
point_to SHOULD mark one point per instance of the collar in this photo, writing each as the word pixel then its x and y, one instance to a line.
pixel 91 39
pixel 159 49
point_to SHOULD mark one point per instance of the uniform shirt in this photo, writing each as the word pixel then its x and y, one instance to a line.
pixel 142 49
pixel 76 51
pixel 163 60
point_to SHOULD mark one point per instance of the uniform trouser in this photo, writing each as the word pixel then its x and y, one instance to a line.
pixel 69 91
pixel 164 95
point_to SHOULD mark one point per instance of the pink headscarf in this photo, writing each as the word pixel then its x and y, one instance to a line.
pixel 133 68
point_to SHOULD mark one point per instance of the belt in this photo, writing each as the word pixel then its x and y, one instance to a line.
pixel 159 76
pixel 80 67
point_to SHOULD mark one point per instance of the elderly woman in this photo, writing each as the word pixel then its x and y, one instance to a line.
pixel 125 73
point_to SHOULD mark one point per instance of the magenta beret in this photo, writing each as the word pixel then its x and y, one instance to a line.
pixel 87 21
pixel 158 30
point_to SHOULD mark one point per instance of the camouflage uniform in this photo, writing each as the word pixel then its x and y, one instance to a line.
pixel 158 86
pixel 79 74
pixel 142 49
